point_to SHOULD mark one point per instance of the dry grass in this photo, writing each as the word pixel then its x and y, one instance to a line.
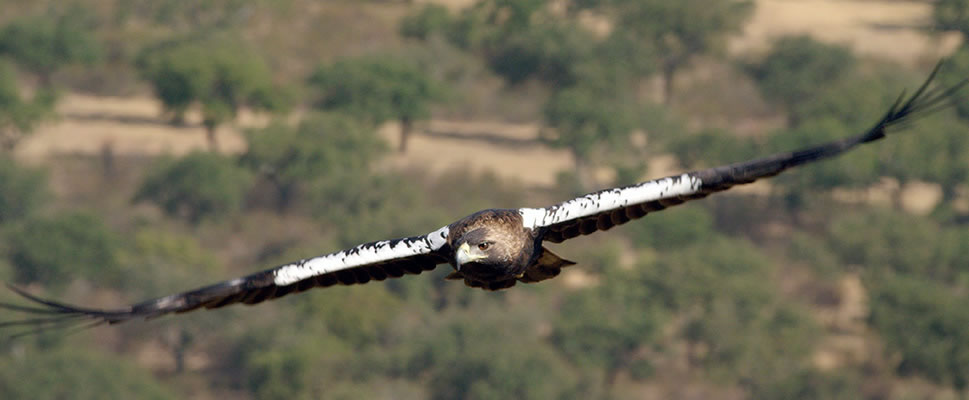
pixel 893 30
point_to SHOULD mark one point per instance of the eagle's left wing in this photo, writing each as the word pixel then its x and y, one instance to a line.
pixel 374 261
pixel 604 209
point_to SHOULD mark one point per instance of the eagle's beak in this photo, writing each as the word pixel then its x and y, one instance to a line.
pixel 464 256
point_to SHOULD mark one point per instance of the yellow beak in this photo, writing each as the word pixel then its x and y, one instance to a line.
pixel 464 256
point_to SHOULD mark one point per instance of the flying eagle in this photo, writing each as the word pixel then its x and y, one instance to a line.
pixel 491 249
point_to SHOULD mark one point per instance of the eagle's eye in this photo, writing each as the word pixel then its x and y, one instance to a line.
pixel 484 246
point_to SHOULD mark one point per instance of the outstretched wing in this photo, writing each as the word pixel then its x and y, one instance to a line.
pixel 604 209
pixel 361 264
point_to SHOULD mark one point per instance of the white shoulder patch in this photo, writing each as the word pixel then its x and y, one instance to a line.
pixel 610 199
pixel 363 254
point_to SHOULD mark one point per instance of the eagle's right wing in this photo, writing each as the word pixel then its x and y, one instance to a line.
pixel 604 209
pixel 371 261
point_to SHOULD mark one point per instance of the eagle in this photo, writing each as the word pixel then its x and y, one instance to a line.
pixel 492 249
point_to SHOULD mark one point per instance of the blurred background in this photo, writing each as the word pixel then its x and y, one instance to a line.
pixel 152 146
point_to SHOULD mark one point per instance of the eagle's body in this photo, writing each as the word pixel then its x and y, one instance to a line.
pixel 492 249
pixel 512 245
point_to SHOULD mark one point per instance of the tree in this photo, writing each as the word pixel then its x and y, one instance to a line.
pixel 954 68
pixel 55 250
pixel 196 187
pixel 926 325
pixel 323 147
pixel 585 120
pixel 77 373
pixel 431 19
pixel 520 40
pixel 368 207
pixel 733 322
pixel 18 116
pixel 797 68
pixel 952 15
pixel 677 30
pixel 608 341
pixel 22 190
pixel 377 89
pixel 44 44
pixel 221 76
pixel 886 242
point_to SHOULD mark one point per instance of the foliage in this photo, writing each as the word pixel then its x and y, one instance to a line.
pixel 377 89
pixel 862 168
pixel 55 250
pixel 953 71
pixel 887 241
pixel 951 15
pixel 586 120
pixel 934 152
pixel 797 68
pixel 673 228
pixel 677 31
pixel 22 190
pixel 520 40
pixel 926 325
pixel 181 16
pixel 429 20
pixel 550 52
pixel 470 358
pixel 744 331
pixel 18 115
pixel 196 187
pixel 366 208
pixel 808 384
pixel 78 373
pixel 220 75
pixel 43 44
pixel 323 147
pixel 163 262
pixel 608 341
pixel 710 148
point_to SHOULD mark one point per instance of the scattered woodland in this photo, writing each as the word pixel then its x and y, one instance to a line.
pixel 823 284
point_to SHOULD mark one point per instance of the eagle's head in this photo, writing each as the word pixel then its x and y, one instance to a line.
pixel 484 253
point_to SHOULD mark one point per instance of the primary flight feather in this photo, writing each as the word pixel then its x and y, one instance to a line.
pixel 491 249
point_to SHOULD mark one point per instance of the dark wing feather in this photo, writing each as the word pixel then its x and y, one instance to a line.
pixel 374 261
pixel 602 210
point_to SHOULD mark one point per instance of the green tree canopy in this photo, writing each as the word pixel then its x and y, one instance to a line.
pixel 196 187
pixel 430 19
pixel 377 89
pixel 22 190
pixel 951 15
pixel 797 68
pixel 221 76
pixel 609 341
pixel 520 40
pixel 926 324
pixel 77 373
pixel 45 43
pixel 19 115
pixel 323 147
pixel 587 120
pixel 718 289
pixel 885 241
pixel 954 70
pixel 678 31
pixel 55 250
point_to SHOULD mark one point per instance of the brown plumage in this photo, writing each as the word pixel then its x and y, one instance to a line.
pixel 512 252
